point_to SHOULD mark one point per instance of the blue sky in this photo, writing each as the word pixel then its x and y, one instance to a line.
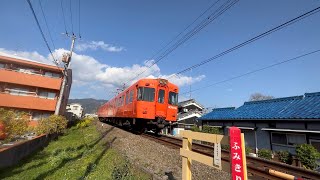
pixel 119 36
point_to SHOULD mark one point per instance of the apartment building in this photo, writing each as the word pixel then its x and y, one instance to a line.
pixel 75 109
pixel 32 87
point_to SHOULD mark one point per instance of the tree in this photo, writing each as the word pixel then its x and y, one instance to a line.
pixel 259 97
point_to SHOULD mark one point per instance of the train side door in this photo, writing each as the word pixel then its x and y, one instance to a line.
pixel 161 102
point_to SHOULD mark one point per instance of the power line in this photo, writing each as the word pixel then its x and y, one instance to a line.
pixel 185 28
pixel 79 21
pixel 70 9
pixel 266 33
pixel 44 38
pixel 64 19
pixel 45 20
pixel 255 71
pixel 215 14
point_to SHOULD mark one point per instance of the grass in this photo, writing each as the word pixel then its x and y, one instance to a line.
pixel 80 154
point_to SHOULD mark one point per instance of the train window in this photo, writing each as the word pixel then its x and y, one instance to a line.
pixel 173 98
pixel 127 97
pixel 161 96
pixel 146 94
pixel 131 96
pixel 122 100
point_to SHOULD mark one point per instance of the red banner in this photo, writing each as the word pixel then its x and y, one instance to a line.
pixel 237 169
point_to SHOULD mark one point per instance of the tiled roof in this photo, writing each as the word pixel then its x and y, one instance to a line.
pixel 296 107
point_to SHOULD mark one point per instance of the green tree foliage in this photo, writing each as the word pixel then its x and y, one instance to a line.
pixel 15 123
pixel 308 155
pixel 52 124
pixel 284 156
pixel 265 154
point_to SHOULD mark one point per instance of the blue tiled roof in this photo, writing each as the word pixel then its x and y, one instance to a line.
pixel 296 107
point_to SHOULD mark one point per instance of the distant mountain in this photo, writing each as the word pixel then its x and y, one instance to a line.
pixel 89 105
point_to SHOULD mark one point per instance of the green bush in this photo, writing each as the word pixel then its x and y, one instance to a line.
pixel 211 130
pixel 85 122
pixel 248 150
pixel 195 128
pixel 52 124
pixel 15 123
pixel 308 155
pixel 265 154
pixel 284 156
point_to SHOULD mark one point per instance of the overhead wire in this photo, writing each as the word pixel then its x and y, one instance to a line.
pixel 266 33
pixel 79 20
pixel 64 19
pixel 43 36
pixel 70 9
pixel 254 71
pixel 213 15
pixel 45 20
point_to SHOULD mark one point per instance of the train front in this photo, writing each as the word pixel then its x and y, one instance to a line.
pixel 163 103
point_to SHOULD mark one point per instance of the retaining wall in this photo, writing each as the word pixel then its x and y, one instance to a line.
pixel 12 155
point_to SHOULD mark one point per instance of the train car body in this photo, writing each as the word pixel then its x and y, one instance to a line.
pixel 147 104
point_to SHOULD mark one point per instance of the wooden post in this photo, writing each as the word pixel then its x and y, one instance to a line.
pixel 244 157
pixel 186 162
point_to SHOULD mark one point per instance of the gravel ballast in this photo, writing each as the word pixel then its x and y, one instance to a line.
pixel 162 161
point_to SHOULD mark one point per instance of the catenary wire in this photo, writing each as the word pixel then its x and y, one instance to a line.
pixel 191 33
pixel 79 19
pixel 44 38
pixel 64 19
pixel 266 33
pixel 45 20
pixel 70 9
pixel 255 71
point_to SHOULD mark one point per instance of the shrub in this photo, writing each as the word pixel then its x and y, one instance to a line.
pixel 308 155
pixel 15 123
pixel 284 156
pixel 211 130
pixel 52 124
pixel 265 154
pixel 85 122
pixel 248 150
pixel 195 128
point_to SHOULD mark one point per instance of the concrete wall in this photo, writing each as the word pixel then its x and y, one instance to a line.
pixel 13 154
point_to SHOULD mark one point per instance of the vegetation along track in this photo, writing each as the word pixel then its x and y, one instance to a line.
pixel 257 167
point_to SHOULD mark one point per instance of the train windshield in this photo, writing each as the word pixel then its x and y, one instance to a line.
pixel 173 98
pixel 146 94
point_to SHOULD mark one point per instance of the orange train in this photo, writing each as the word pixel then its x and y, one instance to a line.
pixel 149 104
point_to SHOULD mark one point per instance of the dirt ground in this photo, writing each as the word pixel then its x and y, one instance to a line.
pixel 163 162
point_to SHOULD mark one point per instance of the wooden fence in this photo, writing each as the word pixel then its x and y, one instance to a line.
pixel 188 155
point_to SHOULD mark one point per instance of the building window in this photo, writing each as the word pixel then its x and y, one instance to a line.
pixel 20 92
pixel 50 74
pixel 2 65
pixel 38 116
pixel 288 139
pixel 47 95
pixel 75 108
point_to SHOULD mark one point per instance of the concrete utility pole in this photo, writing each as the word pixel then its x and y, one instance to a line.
pixel 65 75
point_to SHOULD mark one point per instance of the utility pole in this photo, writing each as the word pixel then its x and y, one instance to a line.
pixel 66 59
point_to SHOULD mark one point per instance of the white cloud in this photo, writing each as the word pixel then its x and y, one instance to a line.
pixel 95 45
pixel 91 74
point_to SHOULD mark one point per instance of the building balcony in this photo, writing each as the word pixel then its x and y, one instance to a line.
pixel 35 80
pixel 27 102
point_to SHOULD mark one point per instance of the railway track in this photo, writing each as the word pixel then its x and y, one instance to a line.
pixel 257 168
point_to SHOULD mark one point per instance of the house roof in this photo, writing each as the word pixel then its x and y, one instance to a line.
pixel 295 107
